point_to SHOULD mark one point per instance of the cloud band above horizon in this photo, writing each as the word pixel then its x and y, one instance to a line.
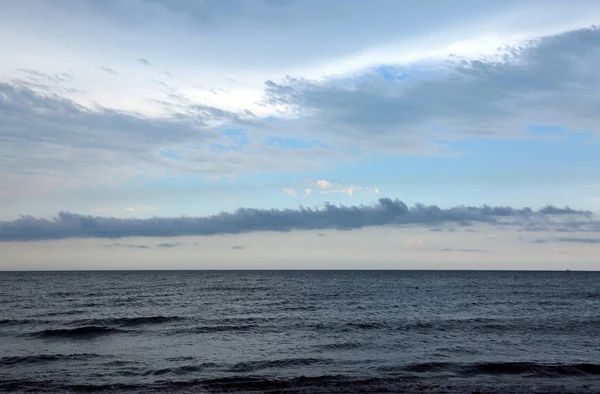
pixel 385 212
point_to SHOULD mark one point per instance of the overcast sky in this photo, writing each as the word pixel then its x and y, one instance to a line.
pixel 327 122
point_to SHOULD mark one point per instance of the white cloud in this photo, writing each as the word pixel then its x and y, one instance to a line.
pixel 323 184
pixel 414 243
pixel 141 209
pixel 307 191
pixel 290 192
pixel 331 187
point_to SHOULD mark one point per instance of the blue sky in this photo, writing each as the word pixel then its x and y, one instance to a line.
pixel 190 108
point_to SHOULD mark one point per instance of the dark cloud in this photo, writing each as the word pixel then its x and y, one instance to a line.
pixel 144 61
pixel 579 240
pixel 108 70
pixel 550 81
pixel 169 245
pixel 237 247
pixel 385 212
pixel 120 245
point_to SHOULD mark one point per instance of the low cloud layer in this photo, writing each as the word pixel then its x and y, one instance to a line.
pixel 383 213
pixel 578 240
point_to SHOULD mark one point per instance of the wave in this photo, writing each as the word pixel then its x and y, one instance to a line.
pixel 524 369
pixel 219 328
pixel 250 366
pixel 301 384
pixel 45 358
pixel 16 322
pixel 128 321
pixel 532 369
pixel 75 333
pixel 339 346
pixel 182 370
pixel 65 313
pixel 482 325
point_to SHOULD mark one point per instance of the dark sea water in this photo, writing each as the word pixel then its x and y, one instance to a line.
pixel 300 331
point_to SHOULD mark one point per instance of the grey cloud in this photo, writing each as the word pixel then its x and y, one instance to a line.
pixel 237 247
pixel 54 78
pixel 144 61
pixel 67 141
pixel 120 245
pixel 385 212
pixel 315 30
pixel 169 245
pixel 551 81
pixel 69 145
pixel 108 70
pixel 463 250
pixel 570 240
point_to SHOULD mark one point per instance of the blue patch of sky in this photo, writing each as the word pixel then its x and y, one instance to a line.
pixel 291 143
pixel 498 172
pixel 216 147
pixel 237 135
pixel 393 73
pixel 168 154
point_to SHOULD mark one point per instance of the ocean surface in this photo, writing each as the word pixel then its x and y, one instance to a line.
pixel 300 331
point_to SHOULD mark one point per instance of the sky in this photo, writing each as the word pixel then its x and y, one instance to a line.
pixel 396 134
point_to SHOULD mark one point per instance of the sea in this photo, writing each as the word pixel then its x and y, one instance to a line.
pixel 300 332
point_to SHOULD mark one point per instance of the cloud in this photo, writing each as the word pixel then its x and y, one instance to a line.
pixel 108 70
pixel 144 61
pixel 237 247
pixel 290 192
pixel 580 240
pixel 141 209
pixel 385 212
pixel 130 246
pixel 330 187
pixel 549 81
pixel 169 245
pixel 323 184
pixel 307 191
pixel 70 145
pixel 463 250
pixel 414 243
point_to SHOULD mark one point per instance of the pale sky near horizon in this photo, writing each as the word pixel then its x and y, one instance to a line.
pixel 115 112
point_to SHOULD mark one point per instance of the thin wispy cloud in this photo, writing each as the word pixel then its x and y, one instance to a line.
pixel 169 245
pixel 576 240
pixel 108 70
